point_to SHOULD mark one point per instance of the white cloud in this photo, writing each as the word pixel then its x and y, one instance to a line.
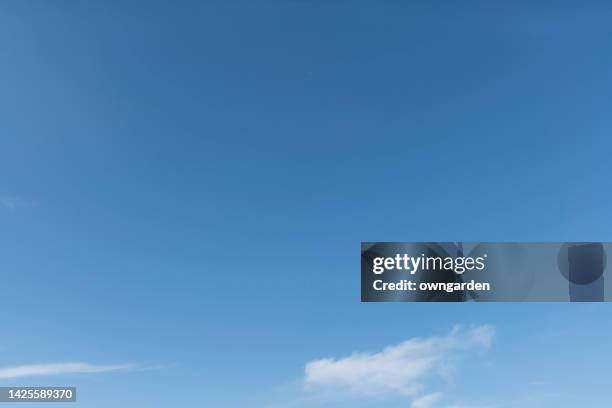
pixel 398 370
pixel 58 369
pixel 426 401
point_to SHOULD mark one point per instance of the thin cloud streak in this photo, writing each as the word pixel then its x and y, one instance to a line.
pixel 59 369
pixel 13 203
pixel 426 401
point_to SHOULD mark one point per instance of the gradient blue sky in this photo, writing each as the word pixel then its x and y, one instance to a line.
pixel 184 187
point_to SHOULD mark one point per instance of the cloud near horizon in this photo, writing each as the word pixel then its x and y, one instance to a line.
pixel 58 369
pixel 402 370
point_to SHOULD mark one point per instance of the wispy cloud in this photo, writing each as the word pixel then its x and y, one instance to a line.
pixel 59 369
pixel 426 401
pixel 404 369
pixel 9 202
pixel 540 383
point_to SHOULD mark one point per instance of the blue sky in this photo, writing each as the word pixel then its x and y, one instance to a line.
pixel 185 187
